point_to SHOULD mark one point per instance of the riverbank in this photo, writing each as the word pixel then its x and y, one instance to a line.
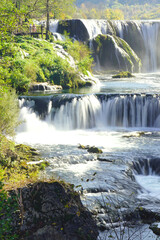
pixel 34 209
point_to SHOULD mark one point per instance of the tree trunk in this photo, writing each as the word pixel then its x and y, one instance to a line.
pixel 47 25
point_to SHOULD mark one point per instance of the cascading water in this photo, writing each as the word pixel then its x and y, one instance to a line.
pixel 92 111
pixel 150 35
pixel 123 124
pixel 142 36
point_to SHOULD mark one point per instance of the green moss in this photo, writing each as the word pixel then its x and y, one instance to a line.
pixel 14 159
pixel 123 75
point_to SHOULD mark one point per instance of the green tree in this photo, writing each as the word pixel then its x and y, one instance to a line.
pixel 10 20
pixel 57 8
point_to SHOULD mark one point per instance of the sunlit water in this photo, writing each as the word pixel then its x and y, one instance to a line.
pixel 98 174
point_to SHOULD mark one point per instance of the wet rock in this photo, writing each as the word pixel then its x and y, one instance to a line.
pixel 155 227
pixel 90 149
pixel 114 53
pixel 94 150
pixel 44 87
pixel 105 160
pixel 75 28
pixel 54 211
pixel 123 75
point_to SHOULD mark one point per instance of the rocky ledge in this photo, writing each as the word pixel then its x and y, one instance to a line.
pixel 53 210
pixel 44 87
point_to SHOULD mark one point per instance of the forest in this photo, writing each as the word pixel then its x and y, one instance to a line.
pixel 118 9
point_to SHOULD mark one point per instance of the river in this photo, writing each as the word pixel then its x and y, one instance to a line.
pixel 120 116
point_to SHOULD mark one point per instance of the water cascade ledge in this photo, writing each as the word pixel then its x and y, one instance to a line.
pixel 69 112
pixel 142 36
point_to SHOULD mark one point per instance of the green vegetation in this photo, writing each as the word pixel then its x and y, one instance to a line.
pixel 15 172
pixel 25 60
pixel 8 110
pixel 36 60
pixel 14 161
pixel 118 9
pixel 8 207
pixel 123 75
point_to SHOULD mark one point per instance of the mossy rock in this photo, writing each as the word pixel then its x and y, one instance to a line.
pixel 155 227
pixel 90 149
pixel 123 75
pixel 94 150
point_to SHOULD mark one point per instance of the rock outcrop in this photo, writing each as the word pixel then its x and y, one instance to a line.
pixel 44 87
pixel 54 211
pixel 114 53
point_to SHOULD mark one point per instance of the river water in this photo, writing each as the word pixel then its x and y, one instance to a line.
pixel 120 116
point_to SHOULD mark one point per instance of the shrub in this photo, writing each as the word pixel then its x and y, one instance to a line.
pixel 9 110
pixel 8 207
pixel 19 81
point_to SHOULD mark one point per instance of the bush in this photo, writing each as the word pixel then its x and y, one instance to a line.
pixel 19 81
pixel 37 61
pixel 8 207
pixel 9 110
pixel 79 52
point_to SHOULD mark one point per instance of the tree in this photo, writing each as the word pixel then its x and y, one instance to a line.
pixel 56 7
pixel 10 18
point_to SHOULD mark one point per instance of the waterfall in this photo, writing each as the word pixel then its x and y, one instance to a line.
pixel 142 36
pixel 98 111
pixel 150 36
pixel 95 27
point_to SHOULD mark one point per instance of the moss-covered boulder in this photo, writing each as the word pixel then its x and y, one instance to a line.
pixel 132 35
pixel 123 75
pixel 90 149
pixel 114 53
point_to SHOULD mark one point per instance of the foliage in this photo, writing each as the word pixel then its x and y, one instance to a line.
pixel 8 110
pixel 36 60
pixel 14 161
pixel 118 9
pixel 10 20
pixel 80 52
pixel 8 207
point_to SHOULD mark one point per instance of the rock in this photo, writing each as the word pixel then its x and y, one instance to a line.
pixel 114 53
pixel 155 227
pixel 105 160
pixel 90 149
pixel 54 211
pixel 123 75
pixel 94 150
pixel 75 28
pixel 44 87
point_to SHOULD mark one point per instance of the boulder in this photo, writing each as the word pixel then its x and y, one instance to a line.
pixel 53 210
pixel 113 53
pixel 155 227
pixel 123 75
pixel 75 28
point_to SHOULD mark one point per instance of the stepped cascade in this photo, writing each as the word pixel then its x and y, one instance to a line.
pixel 96 111
pixel 142 37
